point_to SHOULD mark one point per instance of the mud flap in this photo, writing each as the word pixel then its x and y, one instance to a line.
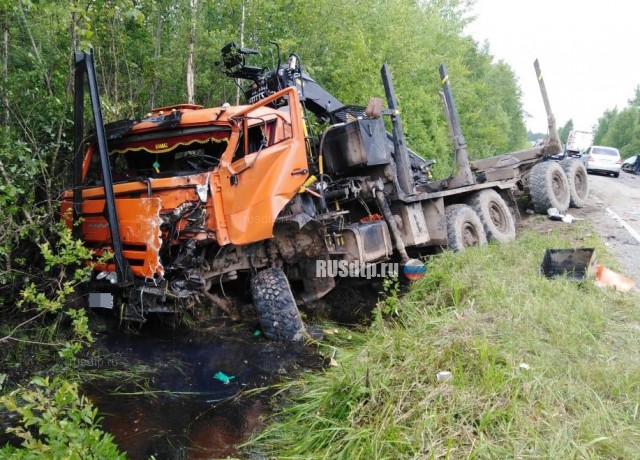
pixel 301 240
pixel 315 287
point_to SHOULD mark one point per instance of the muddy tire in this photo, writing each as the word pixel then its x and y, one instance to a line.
pixel 494 214
pixel 279 315
pixel 578 182
pixel 549 187
pixel 464 227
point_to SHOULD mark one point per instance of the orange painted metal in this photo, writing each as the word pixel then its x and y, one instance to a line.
pixel 244 196
pixel 266 180
pixel 139 230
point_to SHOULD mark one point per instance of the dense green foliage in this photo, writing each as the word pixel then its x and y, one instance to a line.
pixel 621 128
pixel 66 423
pixel 56 423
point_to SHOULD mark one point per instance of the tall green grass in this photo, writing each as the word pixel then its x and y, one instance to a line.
pixel 479 314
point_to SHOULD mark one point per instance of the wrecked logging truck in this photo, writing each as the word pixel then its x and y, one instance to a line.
pixel 190 201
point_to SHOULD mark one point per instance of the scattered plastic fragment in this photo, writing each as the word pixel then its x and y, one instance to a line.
pixel 257 332
pixel 606 277
pixel 524 366
pixel 444 376
pixel 224 378
pixel 554 214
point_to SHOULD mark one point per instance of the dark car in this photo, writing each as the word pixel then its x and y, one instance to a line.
pixel 628 165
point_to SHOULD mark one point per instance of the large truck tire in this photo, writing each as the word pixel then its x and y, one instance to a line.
pixel 494 214
pixel 578 182
pixel 549 187
pixel 464 227
pixel 279 315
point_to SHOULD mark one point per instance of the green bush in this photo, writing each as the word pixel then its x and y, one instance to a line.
pixel 56 422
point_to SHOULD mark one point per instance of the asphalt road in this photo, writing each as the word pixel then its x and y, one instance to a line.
pixel 614 209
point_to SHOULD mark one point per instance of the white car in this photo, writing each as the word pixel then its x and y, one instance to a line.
pixel 602 159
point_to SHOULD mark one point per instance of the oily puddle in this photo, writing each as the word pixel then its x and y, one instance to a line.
pixel 194 397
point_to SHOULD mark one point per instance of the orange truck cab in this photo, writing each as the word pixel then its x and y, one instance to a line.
pixel 203 179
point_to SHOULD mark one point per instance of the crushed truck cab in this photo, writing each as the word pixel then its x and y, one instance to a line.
pixel 189 184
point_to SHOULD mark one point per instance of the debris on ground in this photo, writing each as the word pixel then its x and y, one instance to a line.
pixel 608 278
pixel 224 378
pixel 577 263
pixel 554 214
pixel 524 366
pixel 444 376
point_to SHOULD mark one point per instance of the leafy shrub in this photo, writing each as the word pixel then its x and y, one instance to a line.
pixel 56 422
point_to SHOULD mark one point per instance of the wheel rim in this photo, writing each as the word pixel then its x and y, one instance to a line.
pixel 496 213
pixel 580 183
pixel 558 186
pixel 469 234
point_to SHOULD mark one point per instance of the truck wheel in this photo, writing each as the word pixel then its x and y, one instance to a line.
pixel 279 315
pixel 549 187
pixel 578 182
pixel 464 228
pixel 494 214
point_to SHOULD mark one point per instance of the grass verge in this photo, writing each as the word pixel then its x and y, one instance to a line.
pixel 479 314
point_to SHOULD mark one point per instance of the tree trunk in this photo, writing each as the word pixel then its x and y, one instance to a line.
pixel 5 69
pixel 116 67
pixel 242 21
pixel 157 53
pixel 36 53
pixel 190 61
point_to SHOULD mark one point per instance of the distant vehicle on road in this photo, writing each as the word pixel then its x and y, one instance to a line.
pixel 628 165
pixel 578 141
pixel 602 159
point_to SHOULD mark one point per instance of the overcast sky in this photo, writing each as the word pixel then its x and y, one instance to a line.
pixel 588 53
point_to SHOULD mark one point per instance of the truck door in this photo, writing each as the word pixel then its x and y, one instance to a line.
pixel 265 168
